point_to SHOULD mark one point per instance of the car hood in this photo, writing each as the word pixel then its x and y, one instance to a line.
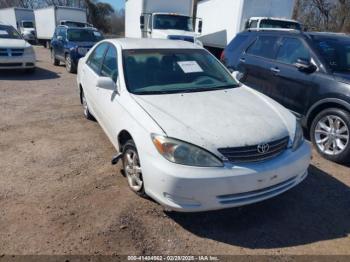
pixel 217 119
pixel 343 77
pixel 13 43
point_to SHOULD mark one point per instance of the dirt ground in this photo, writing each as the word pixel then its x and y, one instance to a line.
pixel 59 193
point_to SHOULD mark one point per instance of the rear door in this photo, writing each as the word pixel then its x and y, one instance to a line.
pixel 256 63
pixel 90 75
pixel 293 87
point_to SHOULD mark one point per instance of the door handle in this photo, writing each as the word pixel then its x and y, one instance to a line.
pixel 242 60
pixel 275 70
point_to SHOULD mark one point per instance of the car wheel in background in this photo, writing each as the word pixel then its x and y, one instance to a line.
pixel 54 60
pixel 70 64
pixel 330 133
pixel 87 113
pixel 132 168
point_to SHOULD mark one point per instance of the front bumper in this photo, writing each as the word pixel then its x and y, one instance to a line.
pixel 192 189
pixel 20 62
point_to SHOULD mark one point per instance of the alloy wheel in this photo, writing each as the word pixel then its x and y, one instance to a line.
pixel 68 63
pixel 133 170
pixel 332 135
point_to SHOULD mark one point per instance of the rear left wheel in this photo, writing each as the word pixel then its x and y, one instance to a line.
pixel 54 60
pixel 132 168
pixel 87 113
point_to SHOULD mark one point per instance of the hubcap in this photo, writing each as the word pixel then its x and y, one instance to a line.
pixel 133 170
pixel 68 63
pixel 332 135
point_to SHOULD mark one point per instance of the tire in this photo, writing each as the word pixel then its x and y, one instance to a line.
pixel 70 66
pixel 330 134
pixel 87 113
pixel 54 60
pixel 132 168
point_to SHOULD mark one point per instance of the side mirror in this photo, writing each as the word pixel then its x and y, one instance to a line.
pixel 59 38
pixel 142 22
pixel 305 66
pixel 200 26
pixel 106 83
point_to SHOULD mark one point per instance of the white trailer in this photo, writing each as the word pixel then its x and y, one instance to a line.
pixel 48 18
pixel 223 19
pixel 20 18
pixel 161 19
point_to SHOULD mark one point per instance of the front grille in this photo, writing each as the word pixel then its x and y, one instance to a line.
pixel 11 52
pixel 252 153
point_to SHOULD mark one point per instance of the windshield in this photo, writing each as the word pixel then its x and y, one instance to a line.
pixel 9 32
pixel 176 22
pixel 84 35
pixel 28 24
pixel 174 71
pixel 269 23
pixel 335 51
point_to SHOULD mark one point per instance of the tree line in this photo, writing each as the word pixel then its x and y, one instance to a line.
pixel 101 15
pixel 324 15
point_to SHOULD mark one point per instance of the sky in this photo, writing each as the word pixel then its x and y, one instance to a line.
pixel 117 4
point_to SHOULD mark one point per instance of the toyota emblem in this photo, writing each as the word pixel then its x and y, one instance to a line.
pixel 263 148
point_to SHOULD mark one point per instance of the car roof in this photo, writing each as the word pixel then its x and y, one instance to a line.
pixel 146 43
pixel 329 35
pixel 273 18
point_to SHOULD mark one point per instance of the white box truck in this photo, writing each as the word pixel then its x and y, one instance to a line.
pixel 163 19
pixel 223 19
pixel 22 19
pixel 48 18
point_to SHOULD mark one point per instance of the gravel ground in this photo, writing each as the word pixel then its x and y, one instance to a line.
pixel 59 193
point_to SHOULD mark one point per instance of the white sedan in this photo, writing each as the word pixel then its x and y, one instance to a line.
pixel 15 52
pixel 188 134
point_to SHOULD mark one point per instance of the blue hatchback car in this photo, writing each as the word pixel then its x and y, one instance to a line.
pixel 69 44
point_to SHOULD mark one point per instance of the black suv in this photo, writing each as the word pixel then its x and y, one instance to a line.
pixel 309 73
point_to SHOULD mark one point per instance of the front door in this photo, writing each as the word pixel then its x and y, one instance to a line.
pixel 293 87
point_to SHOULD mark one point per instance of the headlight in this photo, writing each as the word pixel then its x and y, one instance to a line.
pixel 183 153
pixel 298 137
pixel 29 50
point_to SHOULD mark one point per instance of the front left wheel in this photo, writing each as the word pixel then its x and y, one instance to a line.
pixel 330 133
pixel 132 168
pixel 70 66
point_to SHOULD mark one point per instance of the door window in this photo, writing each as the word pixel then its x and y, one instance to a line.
pixel 264 46
pixel 110 64
pixel 96 58
pixel 291 50
pixel 237 42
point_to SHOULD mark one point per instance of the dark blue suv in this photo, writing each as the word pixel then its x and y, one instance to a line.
pixel 69 44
